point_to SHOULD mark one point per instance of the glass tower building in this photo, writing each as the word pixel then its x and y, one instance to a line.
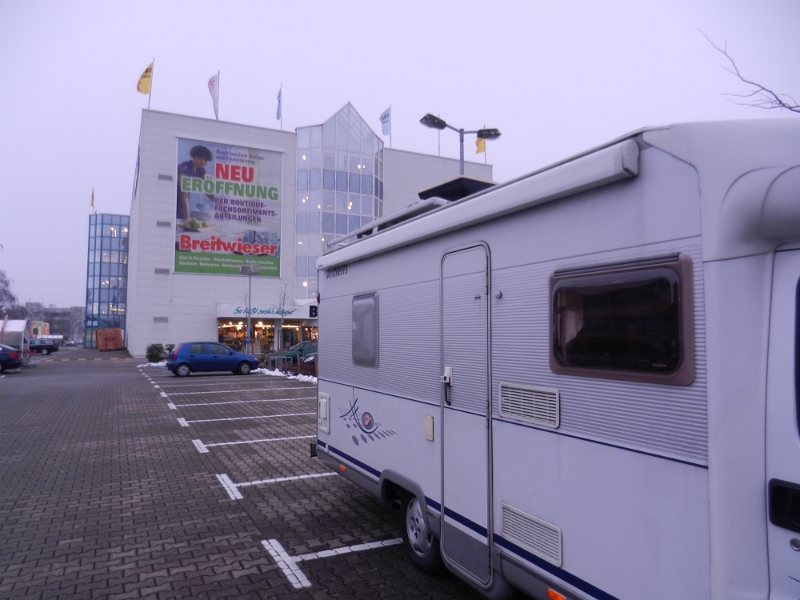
pixel 106 275
pixel 339 188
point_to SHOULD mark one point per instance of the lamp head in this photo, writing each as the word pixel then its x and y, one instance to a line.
pixel 433 122
pixel 488 134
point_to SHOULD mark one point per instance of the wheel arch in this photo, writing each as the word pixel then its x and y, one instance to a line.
pixel 394 485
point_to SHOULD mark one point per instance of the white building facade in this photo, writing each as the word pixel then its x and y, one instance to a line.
pixel 211 197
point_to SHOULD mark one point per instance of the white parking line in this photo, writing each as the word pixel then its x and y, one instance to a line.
pixel 248 401
pixel 230 487
pixel 201 447
pixel 283 439
pixel 227 383
pixel 225 391
pixel 287 564
pixel 171 406
pixel 348 549
pixel 163 395
pixel 182 422
pixel 256 417
pixel 283 479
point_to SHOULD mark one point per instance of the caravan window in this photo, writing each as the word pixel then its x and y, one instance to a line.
pixel 365 330
pixel 631 321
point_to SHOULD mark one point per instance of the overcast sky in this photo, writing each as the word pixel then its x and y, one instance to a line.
pixel 555 77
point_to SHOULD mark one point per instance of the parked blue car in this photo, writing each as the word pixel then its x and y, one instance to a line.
pixel 10 358
pixel 209 356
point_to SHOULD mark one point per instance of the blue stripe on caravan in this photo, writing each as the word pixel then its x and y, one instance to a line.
pixel 479 529
pixel 563 575
pixel 355 461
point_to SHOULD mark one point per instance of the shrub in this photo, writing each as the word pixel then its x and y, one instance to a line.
pixel 169 347
pixel 155 353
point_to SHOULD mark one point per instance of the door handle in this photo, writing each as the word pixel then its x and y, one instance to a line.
pixel 447 380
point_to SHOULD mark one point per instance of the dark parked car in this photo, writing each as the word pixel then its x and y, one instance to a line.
pixel 308 365
pixel 208 356
pixel 10 358
pixel 291 355
pixel 43 346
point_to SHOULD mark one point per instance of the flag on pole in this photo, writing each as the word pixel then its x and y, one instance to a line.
pixel 213 88
pixel 92 197
pixel 480 145
pixel 386 121
pixel 143 87
pixel 279 114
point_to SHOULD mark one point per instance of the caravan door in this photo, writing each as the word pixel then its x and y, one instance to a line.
pixel 466 492
pixel 783 433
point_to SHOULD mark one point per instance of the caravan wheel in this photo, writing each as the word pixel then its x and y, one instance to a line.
pixel 421 545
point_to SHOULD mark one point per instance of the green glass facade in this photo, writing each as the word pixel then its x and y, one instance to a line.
pixel 339 188
pixel 106 275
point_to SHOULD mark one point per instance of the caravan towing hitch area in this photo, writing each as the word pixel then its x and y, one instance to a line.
pixel 124 481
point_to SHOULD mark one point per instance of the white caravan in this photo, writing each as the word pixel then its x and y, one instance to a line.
pixel 583 383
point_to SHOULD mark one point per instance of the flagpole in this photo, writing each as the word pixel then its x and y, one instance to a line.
pixel 152 76
pixel 281 106
pixel 390 126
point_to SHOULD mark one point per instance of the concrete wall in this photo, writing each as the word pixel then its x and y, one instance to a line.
pixel 188 301
pixel 405 174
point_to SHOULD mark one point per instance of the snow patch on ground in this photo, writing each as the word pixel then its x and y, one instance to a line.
pixel 163 363
pixel 277 373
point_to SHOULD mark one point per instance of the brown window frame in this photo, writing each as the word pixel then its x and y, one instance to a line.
pixel 677 268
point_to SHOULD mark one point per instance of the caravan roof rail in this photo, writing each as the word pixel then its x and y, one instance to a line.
pixel 396 218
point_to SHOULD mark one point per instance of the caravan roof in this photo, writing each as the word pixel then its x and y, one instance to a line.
pixel 15 326
pixel 746 171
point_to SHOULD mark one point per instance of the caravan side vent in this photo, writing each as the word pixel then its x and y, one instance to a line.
pixel 533 404
pixel 530 533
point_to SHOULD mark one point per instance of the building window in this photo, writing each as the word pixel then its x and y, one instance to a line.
pixel 631 321
pixel 106 274
pixel 338 180
pixel 365 330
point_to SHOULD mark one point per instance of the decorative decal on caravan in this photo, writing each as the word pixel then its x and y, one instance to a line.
pixel 371 431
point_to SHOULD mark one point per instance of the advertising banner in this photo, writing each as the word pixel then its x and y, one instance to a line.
pixel 228 208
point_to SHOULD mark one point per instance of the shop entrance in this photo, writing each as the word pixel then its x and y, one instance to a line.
pixel 233 333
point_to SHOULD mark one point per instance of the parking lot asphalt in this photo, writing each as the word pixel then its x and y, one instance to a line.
pixel 121 481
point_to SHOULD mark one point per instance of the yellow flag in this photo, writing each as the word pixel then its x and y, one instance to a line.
pixel 480 145
pixel 144 81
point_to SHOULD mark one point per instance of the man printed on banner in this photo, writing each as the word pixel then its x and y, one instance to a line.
pixel 192 168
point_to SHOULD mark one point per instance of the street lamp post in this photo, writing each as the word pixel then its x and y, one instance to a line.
pixel 434 122
pixel 249 269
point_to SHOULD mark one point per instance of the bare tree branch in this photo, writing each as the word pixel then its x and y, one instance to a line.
pixel 760 96
pixel 7 297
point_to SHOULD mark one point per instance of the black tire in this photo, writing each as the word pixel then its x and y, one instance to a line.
pixel 45 351
pixel 182 370
pixel 421 545
pixel 2 367
pixel 244 368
